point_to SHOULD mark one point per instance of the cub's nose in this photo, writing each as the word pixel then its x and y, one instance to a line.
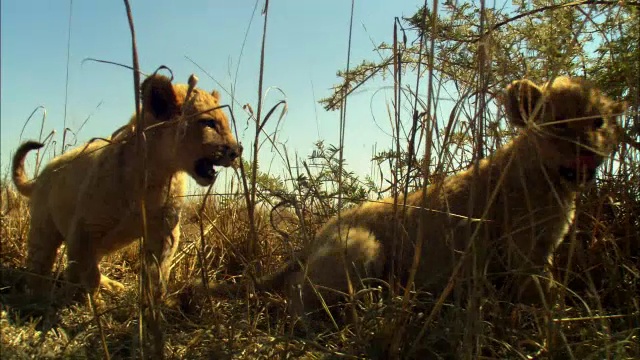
pixel 233 151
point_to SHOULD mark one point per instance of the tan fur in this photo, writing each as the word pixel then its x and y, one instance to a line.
pixel 90 196
pixel 523 204
pixel 124 131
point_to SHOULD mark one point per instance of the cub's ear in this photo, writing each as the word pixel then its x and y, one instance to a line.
pixel 520 101
pixel 158 97
pixel 216 95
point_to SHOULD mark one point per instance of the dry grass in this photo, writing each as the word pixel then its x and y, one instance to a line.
pixel 598 318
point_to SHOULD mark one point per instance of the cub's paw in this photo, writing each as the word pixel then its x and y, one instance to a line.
pixel 111 286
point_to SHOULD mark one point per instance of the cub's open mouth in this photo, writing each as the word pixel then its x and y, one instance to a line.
pixel 582 168
pixel 204 168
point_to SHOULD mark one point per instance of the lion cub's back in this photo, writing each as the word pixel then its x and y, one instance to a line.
pixel 57 185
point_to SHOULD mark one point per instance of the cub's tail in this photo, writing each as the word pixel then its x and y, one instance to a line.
pixel 19 176
pixel 275 282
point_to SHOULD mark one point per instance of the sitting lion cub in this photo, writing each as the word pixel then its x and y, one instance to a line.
pixel 505 216
pixel 90 196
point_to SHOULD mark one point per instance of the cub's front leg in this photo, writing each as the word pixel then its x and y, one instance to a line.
pixel 163 237
pixel 531 278
pixel 82 258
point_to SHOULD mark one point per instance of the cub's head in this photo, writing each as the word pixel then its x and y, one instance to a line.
pixel 572 124
pixel 197 135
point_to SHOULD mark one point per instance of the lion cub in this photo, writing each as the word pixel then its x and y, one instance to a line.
pixel 90 196
pixel 522 204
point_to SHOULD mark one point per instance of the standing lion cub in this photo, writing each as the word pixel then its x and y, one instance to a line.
pixel 505 216
pixel 90 196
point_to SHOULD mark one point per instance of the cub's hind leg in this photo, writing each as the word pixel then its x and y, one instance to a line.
pixel 335 268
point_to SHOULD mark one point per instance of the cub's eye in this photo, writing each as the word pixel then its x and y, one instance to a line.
pixel 210 123
pixel 598 123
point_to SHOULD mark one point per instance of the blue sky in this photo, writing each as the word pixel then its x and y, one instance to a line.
pixel 306 45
